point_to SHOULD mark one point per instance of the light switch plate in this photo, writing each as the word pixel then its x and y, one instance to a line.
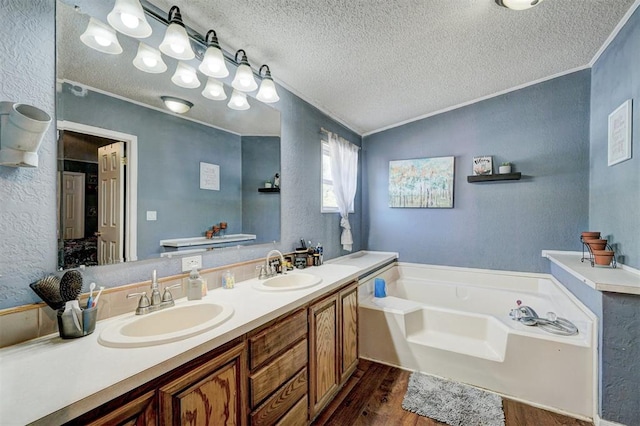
pixel 190 262
pixel 152 215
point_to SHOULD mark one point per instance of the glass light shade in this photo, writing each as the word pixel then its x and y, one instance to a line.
pixel 149 60
pixel 520 4
pixel 101 37
pixel 214 90
pixel 185 76
pixel 128 17
pixel 267 92
pixel 176 43
pixel 176 105
pixel 213 63
pixel 244 80
pixel 238 101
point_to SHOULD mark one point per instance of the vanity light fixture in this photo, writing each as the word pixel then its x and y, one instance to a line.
pixel 243 80
pixel 128 17
pixel 176 41
pixel 149 60
pixel 185 76
pixel 177 105
pixel 519 4
pixel 238 101
pixel 101 37
pixel 214 90
pixel 267 92
pixel 213 62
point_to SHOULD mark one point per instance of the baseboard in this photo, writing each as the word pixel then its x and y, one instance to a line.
pixel 602 422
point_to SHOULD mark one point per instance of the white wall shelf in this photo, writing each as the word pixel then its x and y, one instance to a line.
pixel 622 279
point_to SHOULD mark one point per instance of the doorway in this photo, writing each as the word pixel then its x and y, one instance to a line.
pixel 97 199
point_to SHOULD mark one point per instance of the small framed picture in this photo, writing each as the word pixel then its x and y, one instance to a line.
pixel 483 165
pixel 619 141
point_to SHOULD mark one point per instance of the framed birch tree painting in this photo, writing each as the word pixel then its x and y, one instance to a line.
pixel 421 183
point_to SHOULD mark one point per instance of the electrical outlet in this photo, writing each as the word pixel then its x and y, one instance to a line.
pixel 190 262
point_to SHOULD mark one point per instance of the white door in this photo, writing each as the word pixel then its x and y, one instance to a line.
pixel 110 203
pixel 72 205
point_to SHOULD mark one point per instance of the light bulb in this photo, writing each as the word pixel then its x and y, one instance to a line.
pixel 129 20
pixel 150 62
pixel 102 41
pixel 177 48
pixel 127 17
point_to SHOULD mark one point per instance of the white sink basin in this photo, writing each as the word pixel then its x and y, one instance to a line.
pixel 287 282
pixel 168 325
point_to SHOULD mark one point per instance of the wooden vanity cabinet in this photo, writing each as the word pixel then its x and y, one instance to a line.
pixel 139 412
pixel 209 390
pixel 211 394
pixel 333 347
pixel 278 383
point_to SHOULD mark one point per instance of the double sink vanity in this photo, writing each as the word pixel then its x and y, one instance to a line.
pixel 272 351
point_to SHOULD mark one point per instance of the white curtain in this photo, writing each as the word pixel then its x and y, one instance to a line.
pixel 344 172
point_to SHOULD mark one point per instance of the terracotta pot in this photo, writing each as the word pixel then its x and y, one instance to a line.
pixel 603 257
pixel 596 244
pixel 590 235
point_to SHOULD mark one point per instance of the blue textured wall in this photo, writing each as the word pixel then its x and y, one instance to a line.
pixel 542 129
pixel 27 75
pixel 170 150
pixel 614 203
pixel 27 197
pixel 260 210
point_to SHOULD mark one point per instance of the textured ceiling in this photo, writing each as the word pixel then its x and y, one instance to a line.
pixel 372 64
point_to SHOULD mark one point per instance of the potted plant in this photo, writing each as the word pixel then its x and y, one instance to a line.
pixel 505 168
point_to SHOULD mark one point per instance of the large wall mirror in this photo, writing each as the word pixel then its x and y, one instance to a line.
pixel 133 176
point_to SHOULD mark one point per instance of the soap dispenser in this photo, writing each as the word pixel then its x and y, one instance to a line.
pixel 194 288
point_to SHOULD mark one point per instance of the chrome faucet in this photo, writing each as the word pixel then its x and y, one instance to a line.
pixel 270 270
pixel 157 302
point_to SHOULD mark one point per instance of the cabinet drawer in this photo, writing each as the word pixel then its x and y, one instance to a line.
pixel 271 377
pixel 280 402
pixel 297 416
pixel 275 338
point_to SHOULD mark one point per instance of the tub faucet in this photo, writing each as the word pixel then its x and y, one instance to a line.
pixel 524 314
pixel 270 270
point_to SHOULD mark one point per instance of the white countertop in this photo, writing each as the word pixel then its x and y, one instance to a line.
pixel 622 279
pixel 50 380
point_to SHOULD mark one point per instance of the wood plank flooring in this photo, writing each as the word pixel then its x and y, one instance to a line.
pixel 373 396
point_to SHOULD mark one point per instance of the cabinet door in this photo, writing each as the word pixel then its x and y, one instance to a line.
pixel 348 299
pixel 139 412
pixel 212 394
pixel 323 353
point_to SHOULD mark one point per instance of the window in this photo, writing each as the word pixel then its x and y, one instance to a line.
pixel 329 204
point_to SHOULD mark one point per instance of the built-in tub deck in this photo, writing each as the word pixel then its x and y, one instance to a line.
pixel 455 323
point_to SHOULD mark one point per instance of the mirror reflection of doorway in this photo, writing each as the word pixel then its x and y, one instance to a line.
pixel 93 200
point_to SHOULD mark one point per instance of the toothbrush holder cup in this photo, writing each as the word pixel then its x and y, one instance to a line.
pixel 68 327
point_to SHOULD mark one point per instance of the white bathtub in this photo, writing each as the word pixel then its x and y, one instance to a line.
pixel 455 323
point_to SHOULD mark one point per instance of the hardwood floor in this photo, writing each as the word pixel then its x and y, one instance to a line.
pixel 373 396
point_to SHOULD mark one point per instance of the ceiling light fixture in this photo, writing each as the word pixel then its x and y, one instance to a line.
pixel 519 4
pixel 177 105
pixel 213 62
pixel 149 60
pixel 176 41
pixel 128 17
pixel 244 80
pixel 185 76
pixel 101 37
pixel 238 101
pixel 214 90
pixel 267 92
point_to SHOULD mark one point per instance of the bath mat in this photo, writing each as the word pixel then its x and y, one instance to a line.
pixel 452 403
